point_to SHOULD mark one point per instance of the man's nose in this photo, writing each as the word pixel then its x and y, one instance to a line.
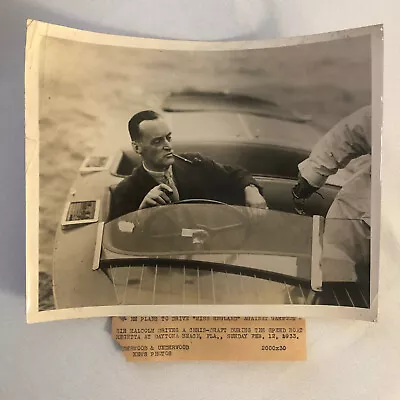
pixel 167 145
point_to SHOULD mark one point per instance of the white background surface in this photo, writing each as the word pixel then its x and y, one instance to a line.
pixel 77 359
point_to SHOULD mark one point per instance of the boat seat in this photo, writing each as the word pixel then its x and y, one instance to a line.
pixel 109 203
pixel 263 160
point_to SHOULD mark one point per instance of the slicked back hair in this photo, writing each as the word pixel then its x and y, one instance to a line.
pixel 136 120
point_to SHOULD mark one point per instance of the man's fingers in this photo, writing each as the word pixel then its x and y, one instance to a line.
pixel 150 202
pixel 156 201
pixel 160 200
pixel 165 197
pixel 163 186
pixel 299 206
pixel 158 196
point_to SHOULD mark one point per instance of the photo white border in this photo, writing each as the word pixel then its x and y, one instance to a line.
pixel 37 30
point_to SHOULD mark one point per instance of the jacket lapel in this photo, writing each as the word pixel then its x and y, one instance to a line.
pixel 145 181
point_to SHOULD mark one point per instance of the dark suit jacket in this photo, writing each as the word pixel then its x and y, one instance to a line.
pixel 196 177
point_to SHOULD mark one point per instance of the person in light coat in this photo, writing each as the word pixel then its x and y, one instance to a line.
pixel 346 238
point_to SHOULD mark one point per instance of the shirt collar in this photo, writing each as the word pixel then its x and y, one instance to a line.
pixel 158 174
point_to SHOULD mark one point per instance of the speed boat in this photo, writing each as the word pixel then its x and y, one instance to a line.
pixel 202 251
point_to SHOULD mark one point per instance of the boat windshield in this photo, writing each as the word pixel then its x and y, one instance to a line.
pixel 189 228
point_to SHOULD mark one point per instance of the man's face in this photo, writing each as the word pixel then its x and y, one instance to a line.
pixel 155 145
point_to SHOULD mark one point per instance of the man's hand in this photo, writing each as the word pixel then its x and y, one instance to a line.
pixel 158 196
pixel 300 192
pixel 253 198
pixel 302 189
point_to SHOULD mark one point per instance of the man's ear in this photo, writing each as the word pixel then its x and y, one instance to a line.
pixel 137 147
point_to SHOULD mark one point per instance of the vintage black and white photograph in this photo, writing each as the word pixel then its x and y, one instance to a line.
pixel 188 175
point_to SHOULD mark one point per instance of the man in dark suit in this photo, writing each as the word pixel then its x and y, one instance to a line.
pixel 165 177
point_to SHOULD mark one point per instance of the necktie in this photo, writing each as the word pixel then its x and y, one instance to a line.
pixel 169 180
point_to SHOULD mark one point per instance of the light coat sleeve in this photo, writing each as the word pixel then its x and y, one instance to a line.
pixel 349 139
